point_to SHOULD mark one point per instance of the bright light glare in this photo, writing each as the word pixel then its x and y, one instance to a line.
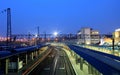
pixel 55 33
pixel 36 35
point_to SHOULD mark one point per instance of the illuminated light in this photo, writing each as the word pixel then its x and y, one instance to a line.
pixel 5 39
pixel 56 39
pixel 21 40
pixel 33 39
pixel 117 34
pixel 48 39
pixel 43 39
pixel 117 30
pixel 87 43
pixel 55 33
pixel 36 35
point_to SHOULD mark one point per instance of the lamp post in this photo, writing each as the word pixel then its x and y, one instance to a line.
pixel 36 38
pixel 113 43
pixel 38 35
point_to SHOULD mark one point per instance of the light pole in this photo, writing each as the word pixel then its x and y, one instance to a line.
pixel 45 37
pixel 38 35
pixel 9 32
pixel 113 43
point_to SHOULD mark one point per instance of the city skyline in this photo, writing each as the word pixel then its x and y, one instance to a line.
pixel 64 16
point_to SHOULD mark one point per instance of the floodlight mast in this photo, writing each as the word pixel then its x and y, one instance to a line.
pixel 9 32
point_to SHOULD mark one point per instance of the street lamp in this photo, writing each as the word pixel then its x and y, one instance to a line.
pixel 113 43
pixel 36 36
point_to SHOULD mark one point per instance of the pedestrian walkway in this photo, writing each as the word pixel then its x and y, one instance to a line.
pixel 102 49
pixel 76 66
pixel 31 62
pixel 99 49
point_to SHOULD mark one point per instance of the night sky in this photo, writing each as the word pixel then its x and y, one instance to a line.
pixel 63 16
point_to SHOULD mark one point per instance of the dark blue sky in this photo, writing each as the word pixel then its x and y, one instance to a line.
pixel 64 16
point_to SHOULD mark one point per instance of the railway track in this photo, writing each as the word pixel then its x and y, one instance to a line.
pixel 59 64
pixel 63 66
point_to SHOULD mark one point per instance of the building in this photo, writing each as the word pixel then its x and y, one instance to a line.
pixel 108 39
pixel 117 36
pixel 88 36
